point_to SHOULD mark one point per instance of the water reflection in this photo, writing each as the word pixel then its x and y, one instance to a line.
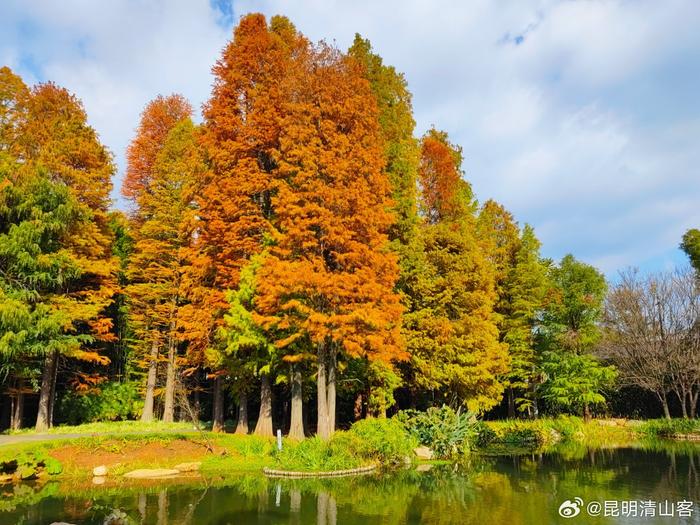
pixel 516 490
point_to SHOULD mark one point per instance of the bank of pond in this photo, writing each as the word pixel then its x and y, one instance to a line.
pixel 506 471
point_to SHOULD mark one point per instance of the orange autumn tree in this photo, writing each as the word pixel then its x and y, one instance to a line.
pixel 241 136
pixel 160 178
pixel 327 280
pixel 48 133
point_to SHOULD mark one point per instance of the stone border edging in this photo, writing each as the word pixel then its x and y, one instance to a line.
pixel 271 473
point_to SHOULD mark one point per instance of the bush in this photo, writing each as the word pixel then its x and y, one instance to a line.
pixel 112 402
pixel 383 441
pixel 448 433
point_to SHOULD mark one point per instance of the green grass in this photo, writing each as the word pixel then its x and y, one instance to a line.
pixel 380 441
pixel 106 427
pixel 517 435
pixel 667 428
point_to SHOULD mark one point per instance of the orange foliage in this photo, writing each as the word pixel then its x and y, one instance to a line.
pixel 157 119
pixel 440 177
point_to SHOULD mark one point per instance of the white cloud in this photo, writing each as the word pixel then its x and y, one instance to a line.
pixel 581 117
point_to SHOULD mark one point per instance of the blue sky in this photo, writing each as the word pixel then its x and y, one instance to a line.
pixel 582 117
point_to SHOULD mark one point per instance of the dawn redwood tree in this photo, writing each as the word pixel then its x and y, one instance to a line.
pixel 402 153
pixel 37 219
pixel 242 129
pixel 158 118
pixel 247 345
pixel 451 329
pixel 499 236
pixel 56 136
pixel 525 288
pixel 163 233
pixel 47 145
pixel 328 276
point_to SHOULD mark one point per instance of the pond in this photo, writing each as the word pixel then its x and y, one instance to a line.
pixel 630 485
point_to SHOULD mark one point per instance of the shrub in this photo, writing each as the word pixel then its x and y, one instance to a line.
pixel 383 440
pixel 112 402
pixel 448 433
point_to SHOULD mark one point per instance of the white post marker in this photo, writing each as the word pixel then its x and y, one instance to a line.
pixel 279 439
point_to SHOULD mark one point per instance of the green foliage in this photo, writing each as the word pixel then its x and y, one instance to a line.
pixel 111 402
pixel 27 464
pixel 576 381
pixel 666 428
pixel 691 246
pixel 36 217
pixel 447 432
pixel 525 289
pixel 514 433
pixel 572 313
pixel 247 346
pixel 382 441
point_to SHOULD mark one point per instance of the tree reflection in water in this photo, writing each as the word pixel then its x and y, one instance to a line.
pixel 524 489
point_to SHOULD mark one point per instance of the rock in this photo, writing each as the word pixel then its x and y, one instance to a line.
pixel 147 473
pixel 424 467
pixel 99 471
pixel 423 452
pixel 98 480
pixel 188 467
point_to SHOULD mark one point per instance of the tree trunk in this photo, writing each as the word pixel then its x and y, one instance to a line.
pixel 586 412
pixel 296 425
pixel 511 403
pixel 218 412
pixel 322 426
pixel 42 418
pixel 693 399
pixel 18 407
pixel 664 404
pixel 331 390
pixel 52 397
pixel 147 414
pixel 264 425
pixel 242 425
pixel 169 403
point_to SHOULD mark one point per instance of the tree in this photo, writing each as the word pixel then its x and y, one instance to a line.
pixel 247 343
pixel 452 333
pixel 163 233
pixel 241 137
pixel 652 335
pixel 526 289
pixel 158 119
pixel 402 154
pixel 691 246
pixel 37 318
pixel 499 236
pixel 575 381
pixel 45 134
pixel 329 277
pixel 569 333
